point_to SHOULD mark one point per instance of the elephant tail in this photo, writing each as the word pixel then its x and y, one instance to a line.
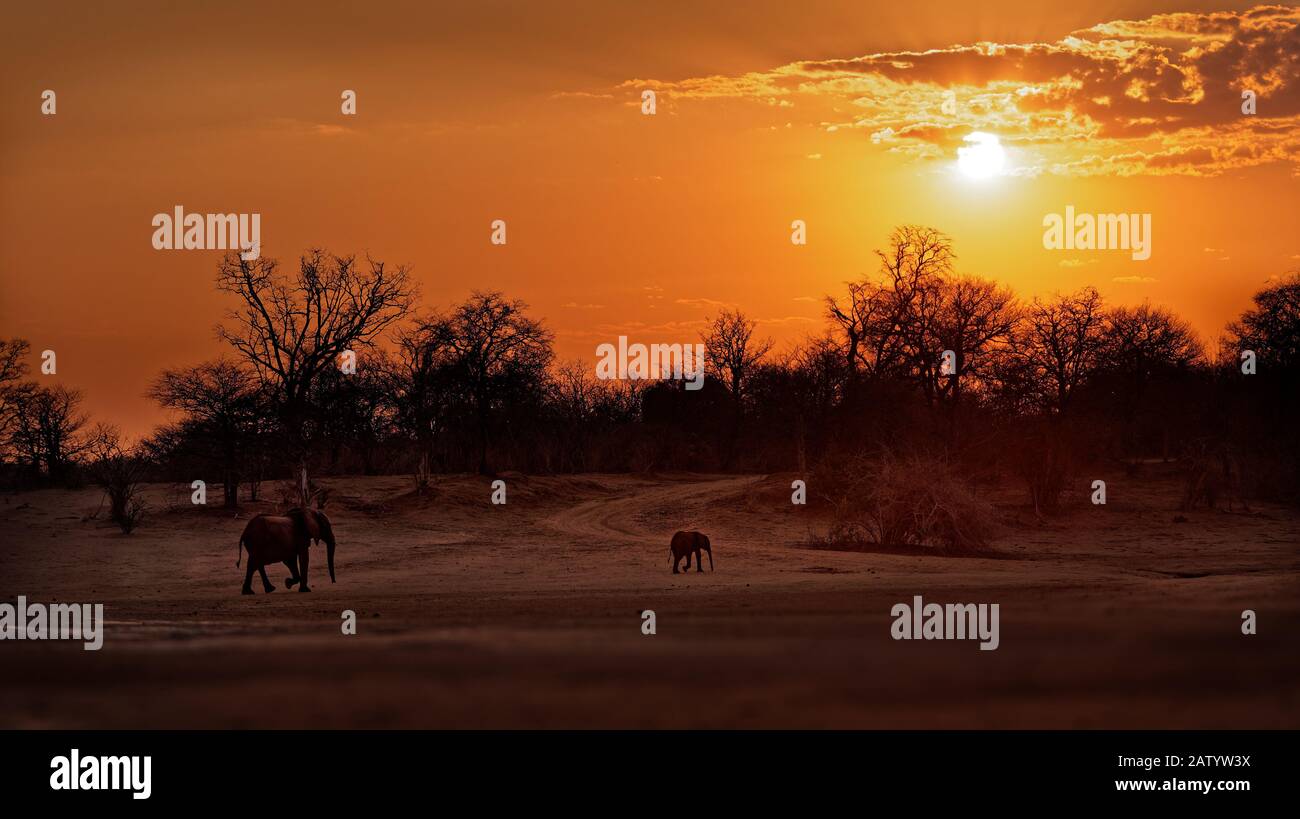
pixel 239 550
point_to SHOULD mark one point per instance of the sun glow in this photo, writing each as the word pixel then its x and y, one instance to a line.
pixel 983 157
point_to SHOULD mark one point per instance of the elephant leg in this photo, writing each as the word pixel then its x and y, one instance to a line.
pixel 688 561
pixel 248 579
pixel 676 560
pixel 303 558
pixel 266 581
pixel 699 560
pixel 292 579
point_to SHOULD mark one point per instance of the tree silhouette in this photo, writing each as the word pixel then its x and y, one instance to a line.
pixel 487 353
pixel 292 330
pixel 223 403
pixel 1271 329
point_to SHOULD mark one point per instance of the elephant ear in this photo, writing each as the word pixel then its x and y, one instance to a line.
pixel 305 519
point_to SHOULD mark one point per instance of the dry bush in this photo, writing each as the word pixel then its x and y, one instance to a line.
pixel 303 493
pixel 422 475
pixel 1213 470
pixel 907 502
pixel 120 474
pixel 1046 467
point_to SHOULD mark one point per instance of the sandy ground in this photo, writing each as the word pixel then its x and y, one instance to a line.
pixel 528 614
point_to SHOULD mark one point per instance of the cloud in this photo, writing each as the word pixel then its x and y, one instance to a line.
pixel 785 320
pixel 1134 279
pixel 581 95
pixel 682 330
pixel 705 303
pixel 298 127
pixel 1158 96
pixel 331 130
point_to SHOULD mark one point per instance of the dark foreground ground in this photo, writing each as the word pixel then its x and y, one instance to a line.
pixel 528 615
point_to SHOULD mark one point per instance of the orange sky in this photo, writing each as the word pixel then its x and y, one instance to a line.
pixel 619 222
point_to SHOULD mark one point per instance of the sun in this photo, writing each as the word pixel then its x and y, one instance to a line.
pixel 983 157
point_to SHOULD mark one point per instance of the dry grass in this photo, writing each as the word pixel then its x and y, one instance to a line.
pixel 907 504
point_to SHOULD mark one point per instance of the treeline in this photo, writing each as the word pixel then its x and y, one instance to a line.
pixel 333 370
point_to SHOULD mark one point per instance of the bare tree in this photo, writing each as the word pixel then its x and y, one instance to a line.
pixel 866 322
pixel 12 366
pixel 356 409
pixel 1142 340
pixel 730 347
pixel 1145 350
pixel 292 330
pixel 222 399
pixel 1271 329
pixel 916 265
pixel 12 370
pixel 1056 349
pixel 1268 399
pixel 574 389
pixel 1054 353
pixel 48 428
pixel 497 356
pixel 421 385
pixel 575 396
pixel 975 320
pixel 889 322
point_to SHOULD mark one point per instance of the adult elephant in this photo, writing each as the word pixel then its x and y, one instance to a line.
pixel 285 539
pixel 684 543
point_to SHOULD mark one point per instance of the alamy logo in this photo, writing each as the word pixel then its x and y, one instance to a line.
pixel 645 361
pixel 955 621
pixel 102 773
pixel 1104 231
pixel 56 621
pixel 209 231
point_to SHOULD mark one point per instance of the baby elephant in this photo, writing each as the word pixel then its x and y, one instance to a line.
pixel 686 542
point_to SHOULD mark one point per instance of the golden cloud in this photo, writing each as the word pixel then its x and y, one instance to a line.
pixel 1158 96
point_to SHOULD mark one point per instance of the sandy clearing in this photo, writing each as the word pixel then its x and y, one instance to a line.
pixel 529 615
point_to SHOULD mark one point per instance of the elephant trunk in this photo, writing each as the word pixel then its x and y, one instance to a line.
pixel 327 535
pixel 329 553
pixel 709 549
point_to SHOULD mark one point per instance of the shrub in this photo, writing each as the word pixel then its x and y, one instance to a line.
pixel 910 502
pixel 119 474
